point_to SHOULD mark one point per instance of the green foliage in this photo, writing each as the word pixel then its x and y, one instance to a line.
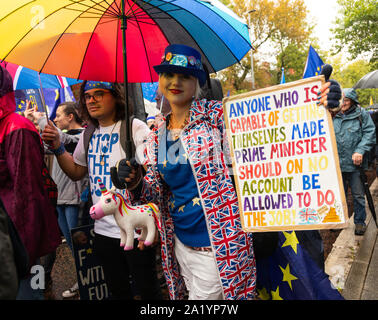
pixel 283 25
pixel 357 28
pixel 364 96
pixel 348 75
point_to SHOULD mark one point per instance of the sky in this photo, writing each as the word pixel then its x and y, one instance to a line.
pixel 324 13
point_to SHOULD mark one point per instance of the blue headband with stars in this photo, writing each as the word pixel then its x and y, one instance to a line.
pixel 98 85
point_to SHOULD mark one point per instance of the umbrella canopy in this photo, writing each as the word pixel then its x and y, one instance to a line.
pixel 84 40
pixel 369 80
pixel 25 78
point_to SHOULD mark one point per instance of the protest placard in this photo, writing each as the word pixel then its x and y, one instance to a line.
pixel 90 275
pixel 285 159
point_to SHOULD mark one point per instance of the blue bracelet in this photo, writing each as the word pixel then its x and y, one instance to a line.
pixel 60 150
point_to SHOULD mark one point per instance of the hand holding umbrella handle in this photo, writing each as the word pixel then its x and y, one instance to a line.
pixel 126 174
pixel 50 135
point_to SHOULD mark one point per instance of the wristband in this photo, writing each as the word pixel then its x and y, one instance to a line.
pixel 59 151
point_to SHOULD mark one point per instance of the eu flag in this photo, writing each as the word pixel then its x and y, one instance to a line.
pixel 313 64
pixel 54 97
pixel 294 269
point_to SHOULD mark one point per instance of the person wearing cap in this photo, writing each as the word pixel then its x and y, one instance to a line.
pixel 23 185
pixel 150 121
pixel 355 135
pixel 102 105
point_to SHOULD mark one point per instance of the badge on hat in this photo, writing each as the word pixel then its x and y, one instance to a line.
pixel 179 60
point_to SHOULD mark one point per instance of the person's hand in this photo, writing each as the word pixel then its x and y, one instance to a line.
pixel 330 92
pixel 29 110
pixel 51 135
pixel 357 158
pixel 126 174
pixel 141 245
pixel 32 113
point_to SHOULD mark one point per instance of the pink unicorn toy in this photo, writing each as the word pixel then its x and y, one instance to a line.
pixel 127 217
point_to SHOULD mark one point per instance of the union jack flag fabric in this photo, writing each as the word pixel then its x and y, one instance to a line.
pixel 205 143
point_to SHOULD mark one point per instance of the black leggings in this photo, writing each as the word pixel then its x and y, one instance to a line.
pixel 119 264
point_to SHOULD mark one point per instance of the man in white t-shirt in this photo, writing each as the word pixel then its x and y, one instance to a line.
pixel 103 105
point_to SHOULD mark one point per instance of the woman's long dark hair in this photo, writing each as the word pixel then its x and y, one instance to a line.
pixel 117 93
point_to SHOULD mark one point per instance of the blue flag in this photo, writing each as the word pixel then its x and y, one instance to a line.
pixel 313 64
pixel 283 76
pixel 53 98
pixel 294 271
pixel 149 91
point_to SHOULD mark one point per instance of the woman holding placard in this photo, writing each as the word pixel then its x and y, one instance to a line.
pixel 203 244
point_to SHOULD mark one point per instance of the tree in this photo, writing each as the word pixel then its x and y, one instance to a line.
pixel 349 75
pixel 357 28
pixel 278 24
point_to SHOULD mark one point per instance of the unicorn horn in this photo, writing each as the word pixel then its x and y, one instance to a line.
pixel 102 188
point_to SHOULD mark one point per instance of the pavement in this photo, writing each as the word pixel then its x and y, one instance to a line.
pixel 352 264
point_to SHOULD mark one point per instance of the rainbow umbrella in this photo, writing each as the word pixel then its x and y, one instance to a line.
pixel 117 40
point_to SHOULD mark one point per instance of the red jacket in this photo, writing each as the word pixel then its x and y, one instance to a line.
pixel 22 187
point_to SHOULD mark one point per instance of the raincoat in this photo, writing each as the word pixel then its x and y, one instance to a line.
pixel 22 188
pixel 355 132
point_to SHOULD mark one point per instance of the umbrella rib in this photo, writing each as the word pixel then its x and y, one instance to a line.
pixel 144 45
pixel 42 20
pixel 95 15
pixel 91 7
pixel 86 49
pixel 130 7
pixel 61 35
pixel 202 4
pixel 113 9
pixel 116 4
pixel 116 52
pixel 10 13
pixel 189 35
pixel 110 8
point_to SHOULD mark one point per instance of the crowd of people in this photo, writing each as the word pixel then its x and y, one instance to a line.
pixel 200 234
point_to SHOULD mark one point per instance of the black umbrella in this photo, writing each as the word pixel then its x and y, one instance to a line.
pixel 369 80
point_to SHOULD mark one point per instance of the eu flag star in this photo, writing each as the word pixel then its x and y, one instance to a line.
pixel 291 240
pixel 196 200
pixel 287 276
pixel 276 294
pixel 263 294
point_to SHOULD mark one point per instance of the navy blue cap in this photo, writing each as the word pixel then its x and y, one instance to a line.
pixel 179 58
